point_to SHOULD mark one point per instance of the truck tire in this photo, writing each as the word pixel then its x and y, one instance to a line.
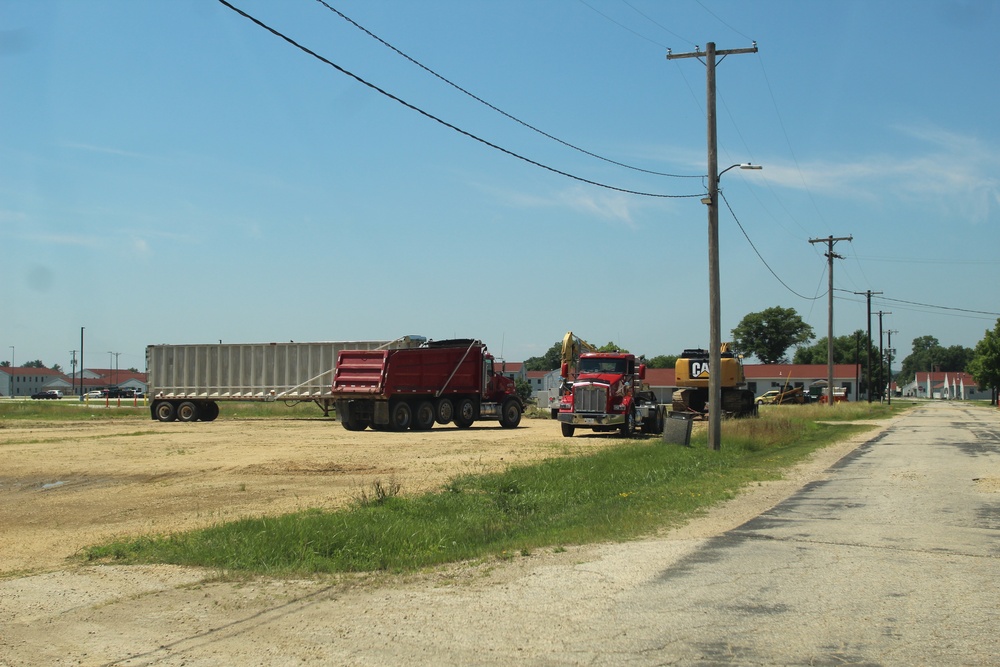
pixel 653 425
pixel 444 410
pixel 187 412
pixel 510 413
pixel 400 416
pixel 628 428
pixel 465 413
pixel 424 416
pixel 209 411
pixel 165 411
pixel 567 430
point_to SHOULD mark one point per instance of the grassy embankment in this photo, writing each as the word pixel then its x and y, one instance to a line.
pixel 620 493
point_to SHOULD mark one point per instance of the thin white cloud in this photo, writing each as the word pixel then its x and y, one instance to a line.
pixel 615 207
pixel 953 172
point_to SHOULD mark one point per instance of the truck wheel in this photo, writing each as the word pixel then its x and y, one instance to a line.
pixel 465 413
pixel 423 417
pixel 628 428
pixel 209 412
pixel 187 412
pixel 445 411
pixel 567 430
pixel 165 411
pixel 510 413
pixel 400 416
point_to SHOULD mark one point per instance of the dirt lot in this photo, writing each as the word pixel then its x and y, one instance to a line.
pixel 65 486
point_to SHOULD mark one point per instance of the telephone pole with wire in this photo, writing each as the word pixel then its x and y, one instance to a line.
pixel 830 256
pixel 712 200
pixel 868 389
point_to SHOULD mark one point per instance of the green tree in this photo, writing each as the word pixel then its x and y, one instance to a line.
pixel 523 389
pixel 37 363
pixel 548 361
pixel 768 334
pixel 662 361
pixel 985 364
pixel 612 347
pixel 4 364
pixel 929 355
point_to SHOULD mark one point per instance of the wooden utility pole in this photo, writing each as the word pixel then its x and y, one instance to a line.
pixel 868 389
pixel 881 354
pixel 889 351
pixel 712 200
pixel 830 256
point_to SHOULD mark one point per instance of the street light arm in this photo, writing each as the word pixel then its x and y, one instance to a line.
pixel 744 165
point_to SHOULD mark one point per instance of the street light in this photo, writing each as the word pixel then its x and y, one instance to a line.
pixel 714 300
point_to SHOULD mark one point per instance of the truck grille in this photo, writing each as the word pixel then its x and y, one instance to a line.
pixel 590 398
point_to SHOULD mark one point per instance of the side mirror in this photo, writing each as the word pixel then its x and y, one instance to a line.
pixel 642 371
pixel 564 370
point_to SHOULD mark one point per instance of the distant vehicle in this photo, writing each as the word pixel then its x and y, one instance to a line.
pixel 97 393
pixel 49 393
pixel 768 397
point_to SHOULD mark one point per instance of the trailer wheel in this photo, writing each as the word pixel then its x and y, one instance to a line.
pixel 400 416
pixel 424 416
pixel 465 413
pixel 510 413
pixel 165 411
pixel 209 411
pixel 445 411
pixel 187 412
pixel 567 430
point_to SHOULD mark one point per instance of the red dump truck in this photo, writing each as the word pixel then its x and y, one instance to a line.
pixel 439 382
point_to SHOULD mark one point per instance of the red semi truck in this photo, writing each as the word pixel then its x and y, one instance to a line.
pixel 440 381
pixel 608 394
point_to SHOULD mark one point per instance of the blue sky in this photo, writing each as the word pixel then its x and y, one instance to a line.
pixel 171 172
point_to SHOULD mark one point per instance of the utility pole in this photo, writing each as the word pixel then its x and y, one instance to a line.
pixel 868 294
pixel 714 299
pixel 881 354
pixel 830 256
pixel 72 365
pixel 81 362
pixel 890 351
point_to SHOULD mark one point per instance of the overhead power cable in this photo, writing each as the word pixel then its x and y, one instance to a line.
pixel 445 123
pixel 766 265
pixel 491 106
pixel 927 305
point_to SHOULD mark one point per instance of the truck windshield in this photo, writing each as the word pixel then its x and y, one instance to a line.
pixel 617 366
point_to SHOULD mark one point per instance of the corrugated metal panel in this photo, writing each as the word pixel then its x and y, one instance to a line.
pixel 250 371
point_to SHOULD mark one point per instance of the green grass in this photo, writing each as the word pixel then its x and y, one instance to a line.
pixel 634 488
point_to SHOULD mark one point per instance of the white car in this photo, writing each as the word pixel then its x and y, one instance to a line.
pixel 95 394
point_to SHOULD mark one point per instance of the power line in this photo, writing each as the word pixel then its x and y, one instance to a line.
pixel 764 261
pixel 491 106
pixel 622 26
pixel 431 116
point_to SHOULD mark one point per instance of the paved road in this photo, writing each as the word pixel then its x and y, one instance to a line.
pixel 891 557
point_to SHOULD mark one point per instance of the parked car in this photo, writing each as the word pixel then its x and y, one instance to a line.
pixel 97 393
pixel 768 397
pixel 48 393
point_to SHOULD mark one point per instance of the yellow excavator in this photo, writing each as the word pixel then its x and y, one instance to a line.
pixel 569 356
pixel 691 378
